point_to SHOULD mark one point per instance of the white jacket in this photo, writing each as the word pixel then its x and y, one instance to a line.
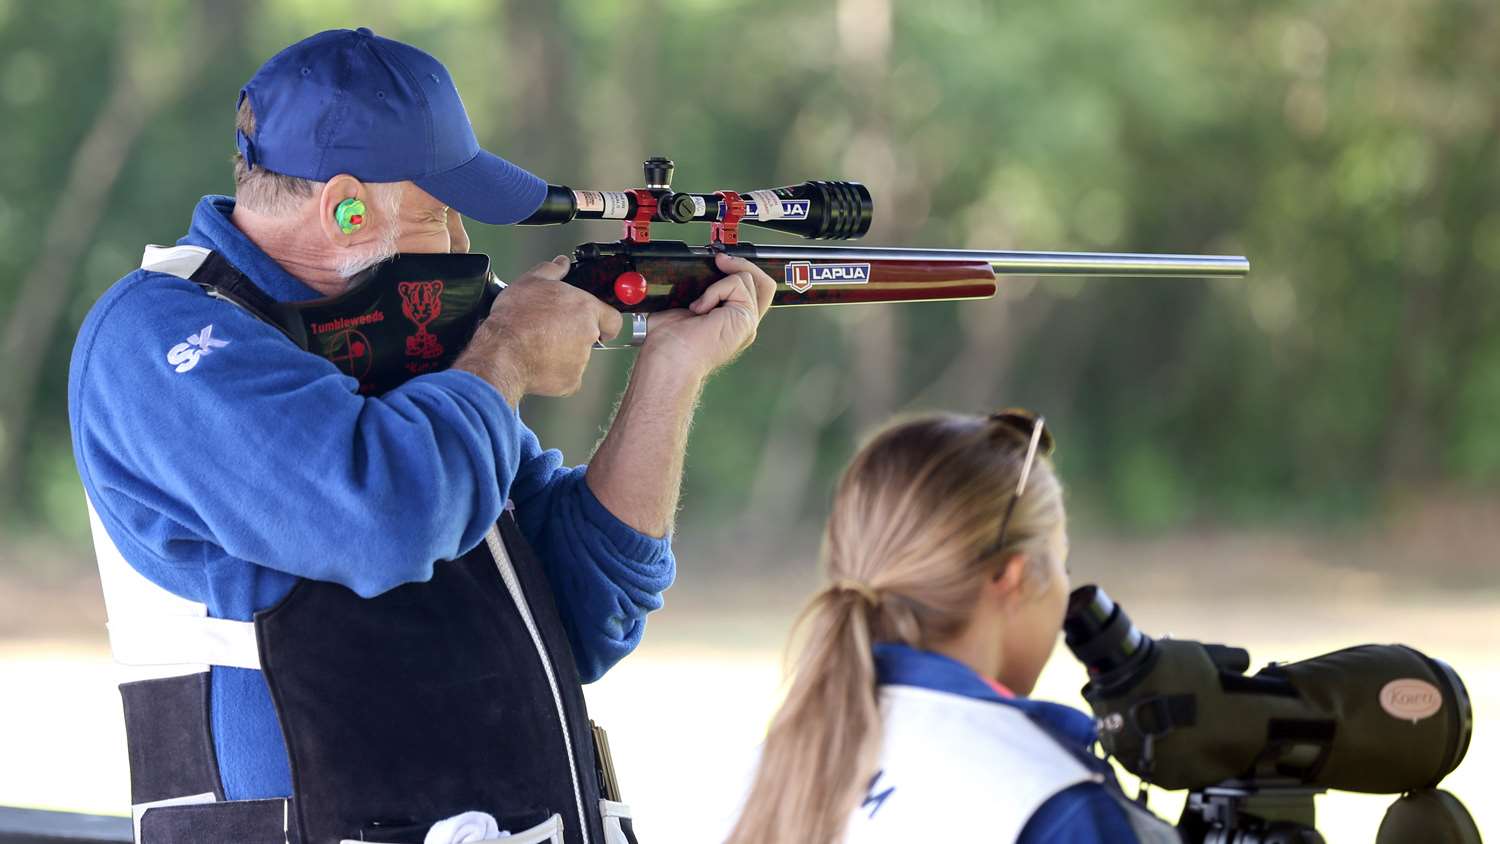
pixel 952 766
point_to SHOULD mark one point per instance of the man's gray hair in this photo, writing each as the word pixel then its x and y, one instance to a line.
pixel 275 194
pixel 258 189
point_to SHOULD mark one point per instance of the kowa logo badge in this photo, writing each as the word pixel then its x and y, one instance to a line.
pixel 1410 699
pixel 802 276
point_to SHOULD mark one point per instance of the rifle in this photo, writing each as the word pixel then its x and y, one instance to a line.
pixel 639 275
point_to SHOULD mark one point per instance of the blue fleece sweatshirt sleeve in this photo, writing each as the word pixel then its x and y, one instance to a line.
pixel 605 575
pixel 1082 814
pixel 210 423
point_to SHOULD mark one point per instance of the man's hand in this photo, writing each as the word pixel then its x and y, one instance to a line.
pixel 718 325
pixel 637 470
pixel 539 334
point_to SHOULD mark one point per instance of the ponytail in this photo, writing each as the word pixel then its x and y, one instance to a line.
pixel 823 745
pixel 913 532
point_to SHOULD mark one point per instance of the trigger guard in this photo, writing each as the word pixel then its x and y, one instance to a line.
pixel 635 324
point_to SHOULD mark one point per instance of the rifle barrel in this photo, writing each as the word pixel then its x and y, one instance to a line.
pixel 1027 263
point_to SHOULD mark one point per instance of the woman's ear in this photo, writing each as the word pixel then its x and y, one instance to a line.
pixel 1006 583
pixel 353 227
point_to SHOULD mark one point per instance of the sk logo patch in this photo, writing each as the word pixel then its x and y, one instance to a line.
pixel 184 356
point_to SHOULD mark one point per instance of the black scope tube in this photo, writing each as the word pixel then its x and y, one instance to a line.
pixel 816 210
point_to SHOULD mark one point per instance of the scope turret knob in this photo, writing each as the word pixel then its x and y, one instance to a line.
pixel 658 173
pixel 677 208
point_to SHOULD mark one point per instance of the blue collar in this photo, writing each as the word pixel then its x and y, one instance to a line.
pixel 903 665
pixel 212 229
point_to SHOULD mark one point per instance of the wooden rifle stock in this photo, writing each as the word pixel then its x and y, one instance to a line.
pixel 676 273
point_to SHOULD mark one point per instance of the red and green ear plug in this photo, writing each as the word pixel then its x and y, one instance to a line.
pixel 350 215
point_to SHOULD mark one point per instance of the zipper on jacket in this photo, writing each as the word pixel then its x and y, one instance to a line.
pixel 513 586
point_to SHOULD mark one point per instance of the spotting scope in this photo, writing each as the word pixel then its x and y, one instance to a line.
pixel 1254 748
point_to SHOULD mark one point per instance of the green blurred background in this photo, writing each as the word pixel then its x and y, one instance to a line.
pixel 1290 456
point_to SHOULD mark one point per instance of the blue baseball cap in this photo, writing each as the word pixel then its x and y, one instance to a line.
pixel 349 101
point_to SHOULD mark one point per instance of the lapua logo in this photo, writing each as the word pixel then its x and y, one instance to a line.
pixel 803 275
pixel 1410 699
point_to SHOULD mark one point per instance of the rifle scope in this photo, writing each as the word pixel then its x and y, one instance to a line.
pixel 816 210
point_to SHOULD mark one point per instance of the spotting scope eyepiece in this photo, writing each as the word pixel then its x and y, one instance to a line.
pixel 1111 648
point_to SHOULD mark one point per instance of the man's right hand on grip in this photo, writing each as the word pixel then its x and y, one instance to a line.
pixel 539 334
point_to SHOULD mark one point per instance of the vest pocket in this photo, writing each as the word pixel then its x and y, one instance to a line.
pixel 618 824
pixel 240 821
pixel 549 831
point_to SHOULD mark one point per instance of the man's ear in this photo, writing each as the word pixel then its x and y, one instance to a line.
pixel 336 190
pixel 1005 584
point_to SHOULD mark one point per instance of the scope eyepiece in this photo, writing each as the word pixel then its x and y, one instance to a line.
pixel 1103 638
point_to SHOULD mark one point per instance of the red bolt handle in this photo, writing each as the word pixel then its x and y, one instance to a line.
pixel 630 288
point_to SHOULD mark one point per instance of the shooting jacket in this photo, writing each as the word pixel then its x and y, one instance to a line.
pixel 259 524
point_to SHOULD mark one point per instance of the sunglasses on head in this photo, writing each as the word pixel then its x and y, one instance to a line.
pixel 1032 430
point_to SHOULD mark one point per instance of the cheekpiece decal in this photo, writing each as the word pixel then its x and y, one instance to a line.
pixel 421 302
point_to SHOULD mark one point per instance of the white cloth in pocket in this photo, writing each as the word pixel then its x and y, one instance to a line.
pixel 467 824
pixel 464 828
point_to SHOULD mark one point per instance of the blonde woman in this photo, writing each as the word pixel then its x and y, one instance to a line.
pixel 906 718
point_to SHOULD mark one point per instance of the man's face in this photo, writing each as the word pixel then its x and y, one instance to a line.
pixel 427 225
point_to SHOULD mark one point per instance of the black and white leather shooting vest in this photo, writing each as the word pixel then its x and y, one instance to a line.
pixel 455 695
pixel 955 768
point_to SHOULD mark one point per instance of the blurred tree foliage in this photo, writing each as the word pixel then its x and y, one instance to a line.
pixel 1348 147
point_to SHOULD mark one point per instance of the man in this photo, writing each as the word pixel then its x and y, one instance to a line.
pixel 333 637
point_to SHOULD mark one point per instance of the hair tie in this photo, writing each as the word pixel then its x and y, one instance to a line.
pixel 863 590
